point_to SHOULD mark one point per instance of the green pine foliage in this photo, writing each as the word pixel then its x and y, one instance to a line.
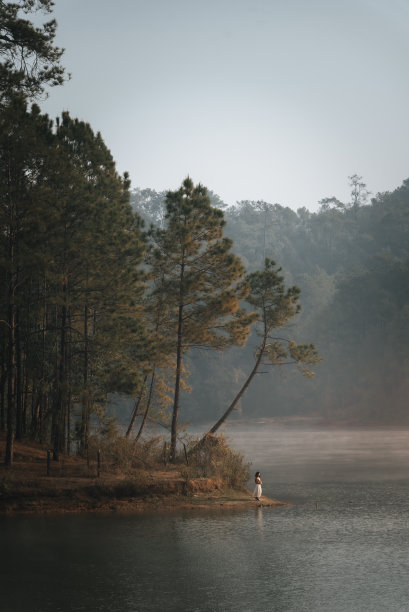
pixel 196 281
pixel 349 260
pixel 94 306
pixel 71 249
pixel 30 60
pixel 275 306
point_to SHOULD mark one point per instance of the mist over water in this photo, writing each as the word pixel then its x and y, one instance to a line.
pixel 289 454
pixel 342 546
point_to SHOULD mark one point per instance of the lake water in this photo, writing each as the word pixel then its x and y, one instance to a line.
pixel 343 545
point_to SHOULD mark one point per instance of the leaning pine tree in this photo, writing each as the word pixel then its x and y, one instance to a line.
pixel 275 306
pixel 196 273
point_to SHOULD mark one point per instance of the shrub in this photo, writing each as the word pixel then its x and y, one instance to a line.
pixel 212 457
pixel 123 455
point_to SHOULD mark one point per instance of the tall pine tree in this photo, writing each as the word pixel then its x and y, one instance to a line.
pixel 196 275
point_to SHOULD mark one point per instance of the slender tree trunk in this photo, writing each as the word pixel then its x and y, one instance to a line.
pixel 3 379
pixel 179 355
pixel 85 416
pixel 242 390
pixel 25 402
pixel 148 404
pixel 2 399
pixel 136 408
pixel 44 413
pixel 41 401
pixel 68 429
pixel 11 316
pixel 68 385
pixel 176 400
pixel 58 409
pixel 11 380
pixel 18 384
pixel 35 402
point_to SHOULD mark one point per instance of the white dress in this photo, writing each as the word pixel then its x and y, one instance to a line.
pixel 257 491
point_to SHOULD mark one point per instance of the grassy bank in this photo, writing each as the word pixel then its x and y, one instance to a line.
pixel 134 484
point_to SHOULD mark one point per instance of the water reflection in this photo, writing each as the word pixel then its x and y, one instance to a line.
pixel 350 555
pixel 260 522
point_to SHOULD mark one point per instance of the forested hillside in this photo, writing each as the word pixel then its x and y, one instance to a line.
pixel 351 262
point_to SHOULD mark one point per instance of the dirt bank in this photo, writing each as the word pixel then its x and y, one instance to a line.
pixel 72 486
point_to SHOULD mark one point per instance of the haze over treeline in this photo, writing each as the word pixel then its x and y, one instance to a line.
pixel 93 305
pixel 351 262
pixel 99 306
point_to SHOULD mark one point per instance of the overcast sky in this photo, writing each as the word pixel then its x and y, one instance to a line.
pixel 275 100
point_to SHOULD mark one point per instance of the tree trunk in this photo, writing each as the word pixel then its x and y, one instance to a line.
pixel 136 408
pixel 18 383
pixel 35 410
pixel 11 380
pixel 241 392
pixel 176 400
pixel 148 403
pixel 25 402
pixel 11 315
pixel 85 413
pixel 44 402
pixel 58 408
pixel 2 400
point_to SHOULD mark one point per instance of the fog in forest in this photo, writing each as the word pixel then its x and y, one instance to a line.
pixel 350 260
pixel 138 316
pixel 160 318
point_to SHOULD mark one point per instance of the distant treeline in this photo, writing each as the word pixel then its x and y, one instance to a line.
pixel 351 262
pixel 97 304
pixel 93 304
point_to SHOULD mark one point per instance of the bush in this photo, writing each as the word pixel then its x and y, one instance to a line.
pixel 123 455
pixel 211 457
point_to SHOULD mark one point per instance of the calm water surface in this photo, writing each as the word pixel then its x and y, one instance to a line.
pixel 350 554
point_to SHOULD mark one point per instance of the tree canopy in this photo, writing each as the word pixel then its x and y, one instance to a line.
pixel 196 277
pixel 30 60
pixel 346 259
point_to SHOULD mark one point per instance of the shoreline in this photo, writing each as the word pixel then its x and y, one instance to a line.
pixel 91 500
pixel 33 486
pixel 135 507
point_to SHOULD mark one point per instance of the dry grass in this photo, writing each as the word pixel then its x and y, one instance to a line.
pixel 213 458
pixel 128 483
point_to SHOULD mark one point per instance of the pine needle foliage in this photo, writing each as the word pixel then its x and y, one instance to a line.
pixel 197 280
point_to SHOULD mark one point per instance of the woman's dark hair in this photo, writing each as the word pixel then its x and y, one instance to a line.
pixel 257 474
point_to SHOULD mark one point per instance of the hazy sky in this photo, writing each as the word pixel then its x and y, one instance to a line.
pixel 279 100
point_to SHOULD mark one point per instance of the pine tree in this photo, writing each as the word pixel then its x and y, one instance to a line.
pixel 196 275
pixel 24 140
pixel 70 247
pixel 275 306
pixel 97 250
pixel 30 59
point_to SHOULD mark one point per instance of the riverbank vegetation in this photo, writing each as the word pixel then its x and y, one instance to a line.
pixel 123 306
pixel 120 477
pixel 95 305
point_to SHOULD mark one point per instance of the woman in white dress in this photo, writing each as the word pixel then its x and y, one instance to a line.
pixel 257 489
